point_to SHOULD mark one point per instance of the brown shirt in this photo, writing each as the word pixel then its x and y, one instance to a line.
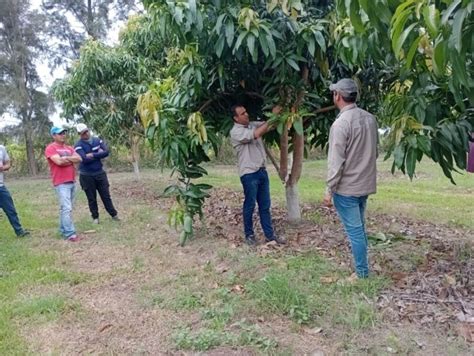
pixel 250 150
pixel 353 153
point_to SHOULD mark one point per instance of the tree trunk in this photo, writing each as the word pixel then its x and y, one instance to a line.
pixel 30 151
pixel 293 203
pixel 135 152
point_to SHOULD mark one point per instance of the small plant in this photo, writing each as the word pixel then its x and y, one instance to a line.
pixel 203 340
pixel 278 294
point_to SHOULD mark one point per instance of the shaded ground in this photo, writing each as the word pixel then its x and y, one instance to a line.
pixel 137 292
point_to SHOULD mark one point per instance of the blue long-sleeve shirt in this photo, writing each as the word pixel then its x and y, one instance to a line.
pixel 96 146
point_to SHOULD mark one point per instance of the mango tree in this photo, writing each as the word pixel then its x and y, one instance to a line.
pixel 424 50
pixel 224 52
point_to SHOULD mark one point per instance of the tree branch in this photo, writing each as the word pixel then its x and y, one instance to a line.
pixel 272 158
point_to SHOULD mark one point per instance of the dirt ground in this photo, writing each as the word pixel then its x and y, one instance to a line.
pixel 430 299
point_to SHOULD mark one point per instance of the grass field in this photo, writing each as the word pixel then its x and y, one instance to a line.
pixel 127 288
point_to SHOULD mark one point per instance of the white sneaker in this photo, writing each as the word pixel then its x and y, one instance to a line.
pixel 95 221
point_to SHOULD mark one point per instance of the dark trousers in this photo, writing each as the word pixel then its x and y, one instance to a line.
pixel 6 203
pixel 93 184
pixel 257 189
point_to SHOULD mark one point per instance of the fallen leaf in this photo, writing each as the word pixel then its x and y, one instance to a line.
pixel 238 289
pixel 104 327
pixel 314 331
pixel 466 330
pixel 328 279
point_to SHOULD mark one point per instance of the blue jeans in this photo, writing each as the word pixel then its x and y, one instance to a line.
pixel 351 210
pixel 6 203
pixel 257 189
pixel 66 193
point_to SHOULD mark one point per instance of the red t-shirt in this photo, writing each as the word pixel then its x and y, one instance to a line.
pixel 60 174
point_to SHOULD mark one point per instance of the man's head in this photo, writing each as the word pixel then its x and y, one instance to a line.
pixel 344 92
pixel 58 133
pixel 83 131
pixel 240 114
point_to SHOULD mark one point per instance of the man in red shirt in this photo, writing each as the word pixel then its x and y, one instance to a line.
pixel 61 159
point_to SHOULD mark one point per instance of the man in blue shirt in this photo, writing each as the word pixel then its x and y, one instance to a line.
pixel 92 176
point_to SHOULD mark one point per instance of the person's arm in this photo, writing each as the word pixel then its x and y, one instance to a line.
pixel 103 151
pixel 60 161
pixel 80 151
pixel 336 158
pixel 75 158
pixel 5 166
pixel 261 130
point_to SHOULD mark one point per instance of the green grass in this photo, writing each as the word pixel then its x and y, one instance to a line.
pixel 310 290
pixel 21 269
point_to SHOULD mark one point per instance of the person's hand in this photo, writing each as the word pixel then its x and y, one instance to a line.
pixel 90 155
pixel 327 200
pixel 277 109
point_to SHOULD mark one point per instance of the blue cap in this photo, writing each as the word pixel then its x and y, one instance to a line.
pixel 56 130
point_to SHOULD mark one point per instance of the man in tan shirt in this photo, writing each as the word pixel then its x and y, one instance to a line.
pixel 246 138
pixel 352 171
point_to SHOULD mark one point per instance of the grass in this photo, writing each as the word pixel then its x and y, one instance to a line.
pixel 22 269
pixel 240 306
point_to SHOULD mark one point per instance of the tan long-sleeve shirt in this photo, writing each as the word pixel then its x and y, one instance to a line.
pixel 353 152
pixel 250 150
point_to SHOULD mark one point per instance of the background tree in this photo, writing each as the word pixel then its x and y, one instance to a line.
pixel 71 22
pixel 20 94
pixel 102 90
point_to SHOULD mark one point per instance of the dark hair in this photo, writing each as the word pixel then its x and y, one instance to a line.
pixel 349 98
pixel 233 109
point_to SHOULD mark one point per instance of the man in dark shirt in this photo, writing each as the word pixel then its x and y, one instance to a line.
pixel 92 176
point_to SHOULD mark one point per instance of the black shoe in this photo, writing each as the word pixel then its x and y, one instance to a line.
pixel 250 240
pixel 276 239
pixel 25 233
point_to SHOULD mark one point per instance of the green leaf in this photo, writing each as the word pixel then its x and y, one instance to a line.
pixel 298 126
pixel 321 41
pixel 399 155
pixel 398 42
pixel 411 162
pixel 251 43
pixel 456 36
pixel 219 47
pixel 439 58
pixel 271 45
pixel 311 46
pixel 293 64
pixel 229 32
pixel 264 45
pixel 188 224
pixel 431 16
pixel 355 18
pixel 239 40
pixel 412 52
pixel 447 13
pixel 424 144
pixel 459 69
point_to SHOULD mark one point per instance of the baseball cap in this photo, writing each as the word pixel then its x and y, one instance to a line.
pixel 346 86
pixel 56 130
pixel 81 128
